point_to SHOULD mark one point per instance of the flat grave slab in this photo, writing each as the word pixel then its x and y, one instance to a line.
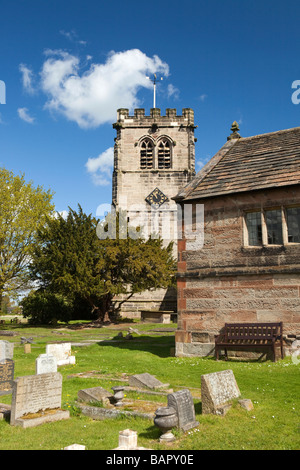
pixel 94 394
pixel 145 381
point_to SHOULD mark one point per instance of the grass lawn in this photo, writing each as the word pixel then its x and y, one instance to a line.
pixel 274 424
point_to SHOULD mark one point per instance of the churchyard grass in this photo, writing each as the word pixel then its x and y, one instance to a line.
pixel 273 424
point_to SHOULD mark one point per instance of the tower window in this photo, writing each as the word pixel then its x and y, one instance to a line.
pixel 146 154
pixel 164 154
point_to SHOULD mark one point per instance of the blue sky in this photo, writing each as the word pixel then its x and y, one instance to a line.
pixel 68 65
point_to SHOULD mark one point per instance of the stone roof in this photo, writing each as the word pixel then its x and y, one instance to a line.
pixel 247 164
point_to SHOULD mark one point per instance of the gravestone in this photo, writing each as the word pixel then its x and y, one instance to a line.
pixel 62 352
pixel 75 447
pixel 145 380
pixel 217 391
pixel 6 376
pixel 182 402
pixel 4 412
pixel 36 399
pixel 6 350
pixel 128 441
pixel 45 363
pixel 94 394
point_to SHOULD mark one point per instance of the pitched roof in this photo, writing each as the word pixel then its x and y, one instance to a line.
pixel 247 164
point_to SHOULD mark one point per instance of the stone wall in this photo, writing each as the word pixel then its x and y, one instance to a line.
pixel 228 281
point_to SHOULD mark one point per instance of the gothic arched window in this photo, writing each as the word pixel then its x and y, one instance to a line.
pixel 164 154
pixel 146 154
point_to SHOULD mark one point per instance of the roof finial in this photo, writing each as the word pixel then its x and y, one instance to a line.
pixel 234 128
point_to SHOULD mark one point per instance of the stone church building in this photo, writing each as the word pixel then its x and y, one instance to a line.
pixel 248 269
pixel 154 157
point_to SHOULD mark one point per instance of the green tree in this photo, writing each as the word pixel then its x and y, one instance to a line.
pixel 23 209
pixel 42 307
pixel 72 260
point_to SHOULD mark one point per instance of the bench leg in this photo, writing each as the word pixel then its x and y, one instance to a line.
pixel 274 353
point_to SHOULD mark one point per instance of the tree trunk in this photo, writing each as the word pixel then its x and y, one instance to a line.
pixel 1 297
pixel 104 308
pixel 106 304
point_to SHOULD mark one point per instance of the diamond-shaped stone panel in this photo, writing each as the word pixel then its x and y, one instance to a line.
pixel 156 198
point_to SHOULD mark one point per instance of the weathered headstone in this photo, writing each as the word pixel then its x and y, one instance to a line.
pixel 75 447
pixel 94 394
pixel 182 402
pixel 128 441
pixel 62 352
pixel 6 376
pixel 27 348
pixel 36 399
pixel 45 363
pixel 145 381
pixel 6 350
pixel 4 411
pixel 218 389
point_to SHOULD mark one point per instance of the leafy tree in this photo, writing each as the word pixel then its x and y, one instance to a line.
pixel 23 209
pixel 71 259
pixel 42 307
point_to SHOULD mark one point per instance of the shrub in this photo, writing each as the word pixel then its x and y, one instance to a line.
pixel 43 308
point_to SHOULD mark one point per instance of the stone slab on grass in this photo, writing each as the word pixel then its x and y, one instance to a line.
pixel 146 381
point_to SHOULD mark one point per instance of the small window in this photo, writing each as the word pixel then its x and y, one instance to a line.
pixel 164 154
pixel 146 154
pixel 253 222
pixel 293 224
pixel 274 227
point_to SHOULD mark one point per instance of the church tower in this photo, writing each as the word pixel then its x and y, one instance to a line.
pixel 154 156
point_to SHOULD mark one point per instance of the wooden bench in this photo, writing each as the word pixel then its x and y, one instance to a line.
pixel 247 336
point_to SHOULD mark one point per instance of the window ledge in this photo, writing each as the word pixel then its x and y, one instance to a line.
pixel 270 247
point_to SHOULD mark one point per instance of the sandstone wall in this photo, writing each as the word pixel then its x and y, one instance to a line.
pixel 227 281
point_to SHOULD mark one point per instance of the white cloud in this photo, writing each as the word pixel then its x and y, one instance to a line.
pixel 203 97
pixel 100 168
pixel 64 214
pixel 27 78
pixel 72 36
pixel 25 116
pixel 90 98
pixel 173 91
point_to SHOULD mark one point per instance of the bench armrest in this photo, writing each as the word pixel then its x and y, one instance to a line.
pixel 219 338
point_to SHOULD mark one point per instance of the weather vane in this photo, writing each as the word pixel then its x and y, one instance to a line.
pixel 154 80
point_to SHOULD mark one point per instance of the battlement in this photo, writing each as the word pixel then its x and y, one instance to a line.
pixel 170 119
